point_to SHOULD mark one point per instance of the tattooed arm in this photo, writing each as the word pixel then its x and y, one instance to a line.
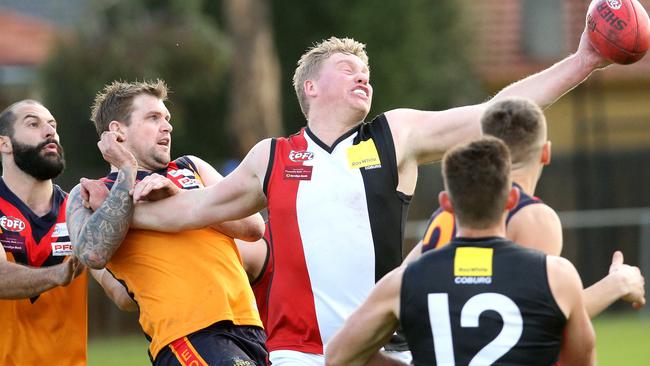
pixel 97 235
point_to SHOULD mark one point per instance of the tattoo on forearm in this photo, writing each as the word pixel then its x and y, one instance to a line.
pixel 96 236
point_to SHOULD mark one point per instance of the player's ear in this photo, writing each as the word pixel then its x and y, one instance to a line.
pixel 513 198
pixel 5 144
pixel 445 201
pixel 118 128
pixel 310 88
pixel 546 153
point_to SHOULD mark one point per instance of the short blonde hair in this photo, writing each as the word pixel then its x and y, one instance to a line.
pixel 311 61
pixel 115 101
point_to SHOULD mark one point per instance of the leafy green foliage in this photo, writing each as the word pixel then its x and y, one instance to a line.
pixel 418 49
pixel 138 40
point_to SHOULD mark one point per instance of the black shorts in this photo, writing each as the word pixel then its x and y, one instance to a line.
pixel 221 344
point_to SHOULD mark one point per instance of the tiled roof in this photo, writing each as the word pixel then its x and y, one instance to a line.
pixel 24 40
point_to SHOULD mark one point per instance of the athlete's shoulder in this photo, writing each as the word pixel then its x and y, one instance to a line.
pixel 538 227
pixel 440 230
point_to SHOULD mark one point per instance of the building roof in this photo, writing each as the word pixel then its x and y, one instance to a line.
pixel 499 28
pixel 25 40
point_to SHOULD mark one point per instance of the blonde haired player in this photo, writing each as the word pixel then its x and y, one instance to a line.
pixel 337 191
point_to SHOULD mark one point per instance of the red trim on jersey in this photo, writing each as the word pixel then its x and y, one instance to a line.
pixel 37 252
pixel 291 322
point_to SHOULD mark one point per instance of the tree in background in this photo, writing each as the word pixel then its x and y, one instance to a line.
pixel 254 92
pixel 140 40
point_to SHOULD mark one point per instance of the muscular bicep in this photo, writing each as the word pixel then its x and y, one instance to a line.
pixel 536 226
pixel 425 135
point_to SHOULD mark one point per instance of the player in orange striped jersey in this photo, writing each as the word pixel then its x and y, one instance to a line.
pixel 195 303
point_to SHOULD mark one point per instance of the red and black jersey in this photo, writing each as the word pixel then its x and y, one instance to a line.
pixel 49 328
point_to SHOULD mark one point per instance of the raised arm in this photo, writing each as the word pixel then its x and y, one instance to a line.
pixel 22 282
pixel 424 136
pixel 578 343
pixel 96 235
pixel 369 327
pixel 237 196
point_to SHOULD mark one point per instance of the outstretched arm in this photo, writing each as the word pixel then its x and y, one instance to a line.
pixel 237 196
pixel 623 282
pixel 249 228
pixel 22 282
pixel 424 136
pixel 538 227
pixel 369 327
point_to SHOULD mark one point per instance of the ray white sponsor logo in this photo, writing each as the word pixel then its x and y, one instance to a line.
pixel 615 4
pixel 60 229
pixel 300 156
pixel 61 249
pixel 11 223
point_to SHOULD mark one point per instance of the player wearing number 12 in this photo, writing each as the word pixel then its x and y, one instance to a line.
pixel 481 300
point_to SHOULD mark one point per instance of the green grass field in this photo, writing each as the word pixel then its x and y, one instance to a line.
pixel 621 340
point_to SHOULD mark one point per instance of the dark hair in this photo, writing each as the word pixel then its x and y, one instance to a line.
pixel 115 101
pixel 520 123
pixel 477 178
pixel 8 117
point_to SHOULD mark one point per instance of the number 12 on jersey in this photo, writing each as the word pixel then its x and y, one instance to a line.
pixel 439 317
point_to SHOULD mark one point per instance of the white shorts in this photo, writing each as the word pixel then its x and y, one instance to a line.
pixel 404 356
pixel 295 358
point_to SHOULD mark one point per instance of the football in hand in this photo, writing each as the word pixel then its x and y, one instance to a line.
pixel 619 29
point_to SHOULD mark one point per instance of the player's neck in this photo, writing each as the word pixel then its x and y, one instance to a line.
pixel 479 233
pixel 526 178
pixel 498 230
pixel 36 194
pixel 328 126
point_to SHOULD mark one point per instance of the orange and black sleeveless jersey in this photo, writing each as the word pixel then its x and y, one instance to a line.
pixel 182 282
pixel 48 329
pixel 442 224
